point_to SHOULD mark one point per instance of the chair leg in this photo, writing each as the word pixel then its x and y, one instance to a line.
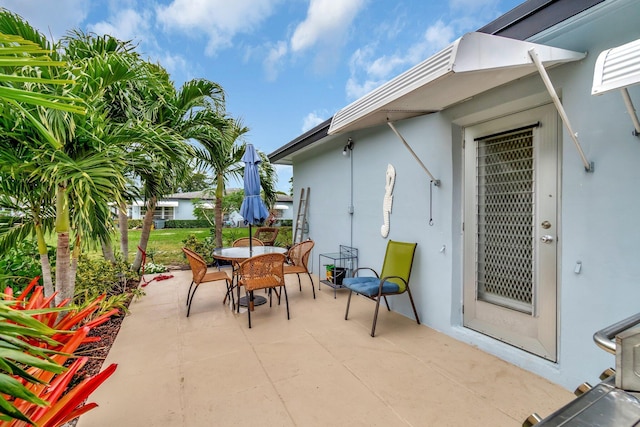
pixel 189 293
pixel 386 302
pixel 238 286
pixel 346 314
pixel 312 287
pixel 191 299
pixel 248 308
pixel 299 282
pixel 286 300
pixel 413 305
pixel 375 317
pixel 230 294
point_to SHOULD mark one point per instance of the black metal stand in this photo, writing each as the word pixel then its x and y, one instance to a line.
pixel 257 300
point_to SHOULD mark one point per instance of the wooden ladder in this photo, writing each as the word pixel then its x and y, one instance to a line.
pixel 301 221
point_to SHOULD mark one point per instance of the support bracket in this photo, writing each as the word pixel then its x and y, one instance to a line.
pixel 631 110
pixel 436 182
pixel 588 166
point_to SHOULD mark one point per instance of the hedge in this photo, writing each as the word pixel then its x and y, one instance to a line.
pixel 187 223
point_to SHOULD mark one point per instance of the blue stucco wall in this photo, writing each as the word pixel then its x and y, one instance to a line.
pixel 599 212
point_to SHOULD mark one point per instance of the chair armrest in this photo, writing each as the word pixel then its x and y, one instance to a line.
pixel 355 272
pixel 386 278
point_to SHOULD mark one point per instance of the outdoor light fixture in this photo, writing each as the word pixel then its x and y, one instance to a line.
pixel 347 147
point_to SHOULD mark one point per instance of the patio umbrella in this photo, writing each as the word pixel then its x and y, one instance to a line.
pixel 253 209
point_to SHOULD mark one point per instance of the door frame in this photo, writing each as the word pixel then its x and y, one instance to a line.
pixel 541 339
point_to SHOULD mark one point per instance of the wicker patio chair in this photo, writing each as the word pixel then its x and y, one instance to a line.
pixel 267 235
pixel 201 275
pixel 244 242
pixel 263 272
pixel 393 279
pixel 298 257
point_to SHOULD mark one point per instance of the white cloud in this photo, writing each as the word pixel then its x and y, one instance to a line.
pixel 178 65
pixel 219 20
pixel 325 30
pixel 51 18
pixel 312 120
pixel 126 24
pixel 326 19
pixel 368 72
pixel 272 62
pixel 438 36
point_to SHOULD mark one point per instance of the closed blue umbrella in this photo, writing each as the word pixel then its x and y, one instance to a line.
pixel 253 209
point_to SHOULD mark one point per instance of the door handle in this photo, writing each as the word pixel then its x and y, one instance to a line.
pixel 546 239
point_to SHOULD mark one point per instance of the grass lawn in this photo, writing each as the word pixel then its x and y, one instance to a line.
pixel 165 245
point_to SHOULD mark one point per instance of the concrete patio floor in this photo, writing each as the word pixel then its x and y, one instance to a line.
pixel 314 370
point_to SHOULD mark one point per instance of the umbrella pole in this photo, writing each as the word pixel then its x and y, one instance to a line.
pixel 250 241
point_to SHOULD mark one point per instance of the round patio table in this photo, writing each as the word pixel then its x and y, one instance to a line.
pixel 237 254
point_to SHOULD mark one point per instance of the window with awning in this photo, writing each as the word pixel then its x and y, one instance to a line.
pixel 617 69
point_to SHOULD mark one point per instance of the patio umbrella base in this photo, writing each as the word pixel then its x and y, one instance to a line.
pixel 257 300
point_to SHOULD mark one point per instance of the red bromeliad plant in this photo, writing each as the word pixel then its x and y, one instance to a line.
pixel 35 344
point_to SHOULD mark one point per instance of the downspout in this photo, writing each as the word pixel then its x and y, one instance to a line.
pixel 349 150
pixel 351 202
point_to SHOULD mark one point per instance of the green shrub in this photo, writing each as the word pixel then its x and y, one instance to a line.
pixel 203 247
pixel 20 264
pixel 285 237
pixel 186 223
pixel 96 277
pixel 134 223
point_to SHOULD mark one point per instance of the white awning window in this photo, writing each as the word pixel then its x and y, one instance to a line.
pixel 473 64
pixel 161 203
pixel 281 207
pixel 619 68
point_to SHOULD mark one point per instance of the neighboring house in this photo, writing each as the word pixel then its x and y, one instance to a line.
pixel 283 208
pixel 181 206
pixel 528 244
pixel 173 206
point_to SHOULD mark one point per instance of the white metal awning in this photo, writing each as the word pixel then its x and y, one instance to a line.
pixel 281 207
pixel 473 64
pixel 619 68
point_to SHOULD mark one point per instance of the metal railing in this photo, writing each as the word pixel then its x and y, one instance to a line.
pixel 605 338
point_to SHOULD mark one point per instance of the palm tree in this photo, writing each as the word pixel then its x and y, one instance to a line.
pixel 30 86
pixel 177 111
pixel 77 159
pixel 219 152
pixel 221 149
pixel 22 51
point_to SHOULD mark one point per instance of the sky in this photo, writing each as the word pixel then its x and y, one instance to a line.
pixel 285 65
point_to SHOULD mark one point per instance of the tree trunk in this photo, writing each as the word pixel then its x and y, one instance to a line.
pixel 123 224
pixel 218 209
pixel 75 255
pixel 44 262
pixel 63 256
pixel 147 222
pixel 107 251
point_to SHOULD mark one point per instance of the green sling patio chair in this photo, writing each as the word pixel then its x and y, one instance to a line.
pixel 393 279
